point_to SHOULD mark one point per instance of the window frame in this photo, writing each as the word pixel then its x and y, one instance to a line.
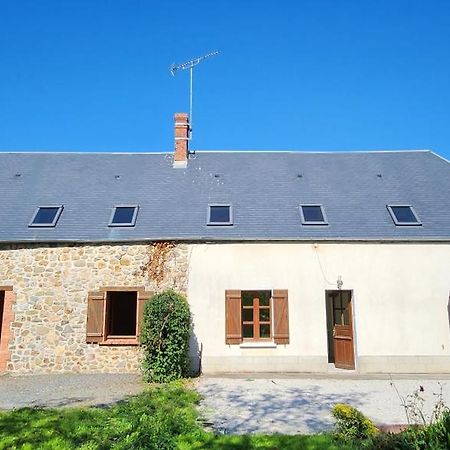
pixel 208 215
pixel 123 224
pixel 256 322
pixel 110 339
pixel 403 224
pixel 48 224
pixel 313 222
pixel 142 295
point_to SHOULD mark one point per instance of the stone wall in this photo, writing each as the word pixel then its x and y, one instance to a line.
pixel 51 284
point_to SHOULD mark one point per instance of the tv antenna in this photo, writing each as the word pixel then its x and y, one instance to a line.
pixel 190 65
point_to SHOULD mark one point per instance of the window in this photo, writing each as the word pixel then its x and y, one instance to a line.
pixel 220 215
pixel 121 314
pixel 403 215
pixel 114 315
pixel 46 216
pixel 256 316
pixel 313 215
pixel 123 216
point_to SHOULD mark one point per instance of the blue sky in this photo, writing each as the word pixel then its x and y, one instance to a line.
pixel 292 75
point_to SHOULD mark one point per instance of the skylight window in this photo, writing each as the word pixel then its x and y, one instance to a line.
pixel 46 216
pixel 220 215
pixel 123 216
pixel 313 215
pixel 403 215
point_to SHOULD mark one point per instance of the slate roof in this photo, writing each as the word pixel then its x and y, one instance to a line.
pixel 264 188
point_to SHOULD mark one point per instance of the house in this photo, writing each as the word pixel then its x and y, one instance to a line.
pixel 290 261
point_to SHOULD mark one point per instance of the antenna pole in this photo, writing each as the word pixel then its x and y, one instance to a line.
pixel 191 70
pixel 190 65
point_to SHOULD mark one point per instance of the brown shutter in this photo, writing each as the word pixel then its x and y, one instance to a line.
pixel 281 316
pixel 95 317
pixel 233 324
pixel 143 298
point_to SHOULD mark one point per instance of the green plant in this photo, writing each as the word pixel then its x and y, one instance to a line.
pixel 414 403
pixel 351 424
pixel 152 420
pixel 416 437
pixel 425 431
pixel 165 333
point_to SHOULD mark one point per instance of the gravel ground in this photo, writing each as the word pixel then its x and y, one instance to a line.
pixel 290 406
pixel 62 390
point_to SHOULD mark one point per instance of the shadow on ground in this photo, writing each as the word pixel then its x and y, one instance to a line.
pixel 270 408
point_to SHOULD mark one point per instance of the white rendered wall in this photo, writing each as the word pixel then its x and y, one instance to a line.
pixel 401 294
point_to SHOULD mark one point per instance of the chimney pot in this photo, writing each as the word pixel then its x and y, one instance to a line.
pixel 182 132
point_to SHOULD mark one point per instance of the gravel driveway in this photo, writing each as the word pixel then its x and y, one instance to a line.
pixel 59 390
pixel 293 405
pixel 238 404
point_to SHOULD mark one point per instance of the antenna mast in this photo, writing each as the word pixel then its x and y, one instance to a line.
pixel 190 65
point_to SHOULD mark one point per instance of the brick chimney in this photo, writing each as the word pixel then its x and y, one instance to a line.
pixel 182 131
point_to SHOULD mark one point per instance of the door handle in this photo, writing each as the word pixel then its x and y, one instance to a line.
pixel 334 331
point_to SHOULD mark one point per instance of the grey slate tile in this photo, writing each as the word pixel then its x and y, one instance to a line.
pixel 264 188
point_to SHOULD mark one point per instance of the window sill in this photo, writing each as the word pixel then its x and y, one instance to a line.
pixel 120 341
pixel 258 345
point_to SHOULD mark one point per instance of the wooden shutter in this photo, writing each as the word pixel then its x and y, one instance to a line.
pixel 281 316
pixel 95 317
pixel 233 323
pixel 143 298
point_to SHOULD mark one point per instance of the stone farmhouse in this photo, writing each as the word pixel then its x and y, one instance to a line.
pixel 291 261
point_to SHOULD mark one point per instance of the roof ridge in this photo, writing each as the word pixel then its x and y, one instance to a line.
pixel 308 152
pixel 303 152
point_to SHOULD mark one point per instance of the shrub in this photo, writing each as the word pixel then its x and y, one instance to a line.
pixel 352 424
pixel 437 435
pixel 391 441
pixel 165 333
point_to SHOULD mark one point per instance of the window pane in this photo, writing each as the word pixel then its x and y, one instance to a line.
pixel 247 315
pixel 264 298
pixel 264 315
pixel 123 214
pixel 312 214
pixel 247 331
pixel 337 317
pixel 337 302
pixel 264 331
pixel 45 215
pixel 346 318
pixel 345 300
pixel 404 214
pixel 247 298
pixel 219 214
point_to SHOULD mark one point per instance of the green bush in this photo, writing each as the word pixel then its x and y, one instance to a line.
pixel 351 424
pixel 165 333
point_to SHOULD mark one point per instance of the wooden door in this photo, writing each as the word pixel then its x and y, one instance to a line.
pixel 344 356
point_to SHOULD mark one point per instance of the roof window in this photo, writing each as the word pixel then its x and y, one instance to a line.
pixel 313 215
pixel 46 216
pixel 123 216
pixel 403 215
pixel 220 214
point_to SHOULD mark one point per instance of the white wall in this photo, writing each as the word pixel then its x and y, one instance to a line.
pixel 401 294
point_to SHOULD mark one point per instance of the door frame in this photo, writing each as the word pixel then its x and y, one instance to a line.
pixel 330 332
pixel 8 317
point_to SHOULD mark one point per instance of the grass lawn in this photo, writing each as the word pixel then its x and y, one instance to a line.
pixel 164 417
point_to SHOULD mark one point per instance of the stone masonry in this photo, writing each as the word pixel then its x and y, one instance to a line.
pixel 51 284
